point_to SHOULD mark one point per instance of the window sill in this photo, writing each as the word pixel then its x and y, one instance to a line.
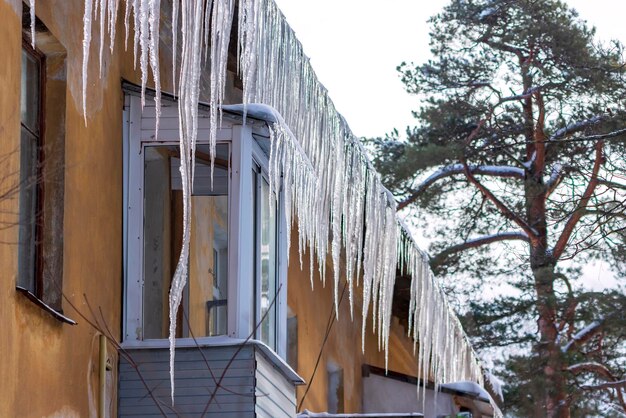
pixel 53 312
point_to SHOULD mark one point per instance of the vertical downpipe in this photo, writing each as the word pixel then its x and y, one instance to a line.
pixel 102 364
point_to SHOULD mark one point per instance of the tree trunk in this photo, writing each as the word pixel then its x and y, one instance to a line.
pixel 552 387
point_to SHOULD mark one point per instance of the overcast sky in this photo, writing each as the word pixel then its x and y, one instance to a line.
pixel 356 45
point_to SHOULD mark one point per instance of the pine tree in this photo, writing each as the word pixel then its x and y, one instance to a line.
pixel 520 148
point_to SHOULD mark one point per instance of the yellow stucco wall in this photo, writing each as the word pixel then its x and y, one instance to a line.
pixel 50 369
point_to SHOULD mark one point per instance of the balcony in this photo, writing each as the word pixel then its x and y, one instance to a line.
pixel 224 378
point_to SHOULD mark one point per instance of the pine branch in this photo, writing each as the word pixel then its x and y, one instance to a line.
pixel 591 367
pixel 584 335
pixel 475 243
pixel 540 137
pixel 577 127
pixel 578 213
pixel 612 184
pixel 455 169
pixel 608 214
pixel 504 209
pixel 608 385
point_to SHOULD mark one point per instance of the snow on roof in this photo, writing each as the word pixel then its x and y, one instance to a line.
pixel 469 388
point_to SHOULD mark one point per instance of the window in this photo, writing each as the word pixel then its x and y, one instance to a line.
pixel 29 260
pixel 205 300
pixel 265 257
pixel 237 249
pixel 42 169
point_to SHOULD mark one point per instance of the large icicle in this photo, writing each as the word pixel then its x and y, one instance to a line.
pixel 349 195
pixel 328 183
pixel 33 20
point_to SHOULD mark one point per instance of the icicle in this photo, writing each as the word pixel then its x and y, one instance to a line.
pixel 103 19
pixel 113 23
pixel 126 23
pixel 137 27
pixel 222 18
pixel 175 8
pixel 86 45
pixel 329 186
pixel 33 21
pixel 154 17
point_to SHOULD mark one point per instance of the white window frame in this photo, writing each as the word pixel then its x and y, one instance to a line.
pixel 242 309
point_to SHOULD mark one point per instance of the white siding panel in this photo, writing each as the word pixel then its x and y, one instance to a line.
pixel 275 395
pixel 195 383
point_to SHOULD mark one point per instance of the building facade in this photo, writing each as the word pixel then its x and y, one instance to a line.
pixel 92 220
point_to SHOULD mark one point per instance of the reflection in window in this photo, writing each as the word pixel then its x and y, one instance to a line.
pixel 205 297
pixel 265 258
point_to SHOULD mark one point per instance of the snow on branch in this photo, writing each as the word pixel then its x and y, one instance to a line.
pixel 502 207
pixel 603 372
pixel 455 169
pixel 591 366
pixel 556 175
pixel 583 335
pixel 577 127
pixel 608 385
pixel 478 242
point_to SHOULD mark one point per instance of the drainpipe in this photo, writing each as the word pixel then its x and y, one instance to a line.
pixel 103 377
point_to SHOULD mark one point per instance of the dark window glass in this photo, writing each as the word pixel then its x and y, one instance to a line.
pixel 30 164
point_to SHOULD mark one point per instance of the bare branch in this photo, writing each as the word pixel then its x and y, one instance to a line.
pixel 571 223
pixel 500 46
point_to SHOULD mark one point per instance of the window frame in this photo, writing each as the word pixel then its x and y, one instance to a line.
pixel 241 294
pixel 261 174
pixel 37 286
pixel 45 286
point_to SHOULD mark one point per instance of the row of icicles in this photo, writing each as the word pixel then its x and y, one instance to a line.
pixel 329 184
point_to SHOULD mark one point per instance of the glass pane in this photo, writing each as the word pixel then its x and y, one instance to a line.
pixel 205 298
pixel 30 92
pixel 28 210
pixel 267 254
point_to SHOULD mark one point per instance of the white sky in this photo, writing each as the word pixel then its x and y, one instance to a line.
pixel 356 45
